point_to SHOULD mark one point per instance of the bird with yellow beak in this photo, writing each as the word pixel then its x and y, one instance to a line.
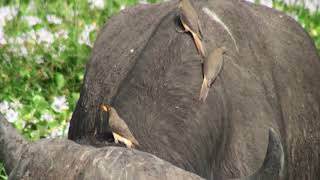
pixel 211 69
pixel 119 128
pixel 191 23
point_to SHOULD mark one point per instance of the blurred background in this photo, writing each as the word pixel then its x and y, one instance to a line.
pixel 44 46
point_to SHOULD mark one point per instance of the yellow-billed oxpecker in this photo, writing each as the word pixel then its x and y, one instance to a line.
pixel 119 127
pixel 190 22
pixel 211 68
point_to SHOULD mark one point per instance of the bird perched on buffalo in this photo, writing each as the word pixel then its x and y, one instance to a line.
pixel 119 127
pixel 211 68
pixel 190 22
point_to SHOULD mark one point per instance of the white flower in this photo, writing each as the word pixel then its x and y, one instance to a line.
pixel 266 3
pixel 16 104
pixel 32 35
pixel 32 6
pixel 15 50
pixel 54 19
pixel 263 2
pixel 61 49
pixel 122 7
pixel 99 4
pixel 47 117
pixel 59 104
pixel 313 6
pixel 44 35
pixel 85 35
pixel 56 133
pixel 11 115
pixel 11 40
pixel 4 106
pixel 143 2
pixel 18 40
pixel 6 57
pixel 61 34
pixel 23 51
pixel 2 38
pixel 38 59
pixel 31 20
pixel 7 13
pixel 131 50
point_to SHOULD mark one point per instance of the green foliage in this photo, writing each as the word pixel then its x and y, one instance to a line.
pixel 46 59
pixel 3 174
pixel 42 64
pixel 310 21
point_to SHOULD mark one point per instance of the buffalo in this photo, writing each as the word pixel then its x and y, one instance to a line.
pixel 152 74
pixel 63 159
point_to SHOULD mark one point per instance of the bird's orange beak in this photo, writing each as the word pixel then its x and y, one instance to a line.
pixel 105 107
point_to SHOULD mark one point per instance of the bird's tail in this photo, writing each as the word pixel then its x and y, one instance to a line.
pixel 204 90
pixel 135 142
pixel 199 44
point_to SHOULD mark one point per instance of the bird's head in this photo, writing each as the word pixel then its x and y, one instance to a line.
pixel 223 49
pixel 105 107
pixel 180 3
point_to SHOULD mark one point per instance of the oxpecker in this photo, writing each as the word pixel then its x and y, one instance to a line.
pixel 190 22
pixel 119 127
pixel 211 68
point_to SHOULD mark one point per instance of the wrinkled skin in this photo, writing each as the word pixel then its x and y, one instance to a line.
pixel 52 159
pixel 152 75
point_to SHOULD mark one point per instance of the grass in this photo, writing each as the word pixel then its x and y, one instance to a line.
pixel 42 63
pixel 3 174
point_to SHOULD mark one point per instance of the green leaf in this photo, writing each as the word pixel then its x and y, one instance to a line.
pixel 40 103
pixel 59 80
pixel 53 124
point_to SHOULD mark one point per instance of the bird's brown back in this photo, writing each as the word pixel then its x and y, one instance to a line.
pixel 189 16
pixel 119 126
pixel 213 64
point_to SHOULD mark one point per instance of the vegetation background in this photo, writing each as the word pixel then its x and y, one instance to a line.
pixel 44 46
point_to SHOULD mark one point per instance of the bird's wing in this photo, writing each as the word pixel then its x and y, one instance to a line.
pixel 200 30
pixel 214 66
pixel 190 19
pixel 119 126
pixel 219 66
